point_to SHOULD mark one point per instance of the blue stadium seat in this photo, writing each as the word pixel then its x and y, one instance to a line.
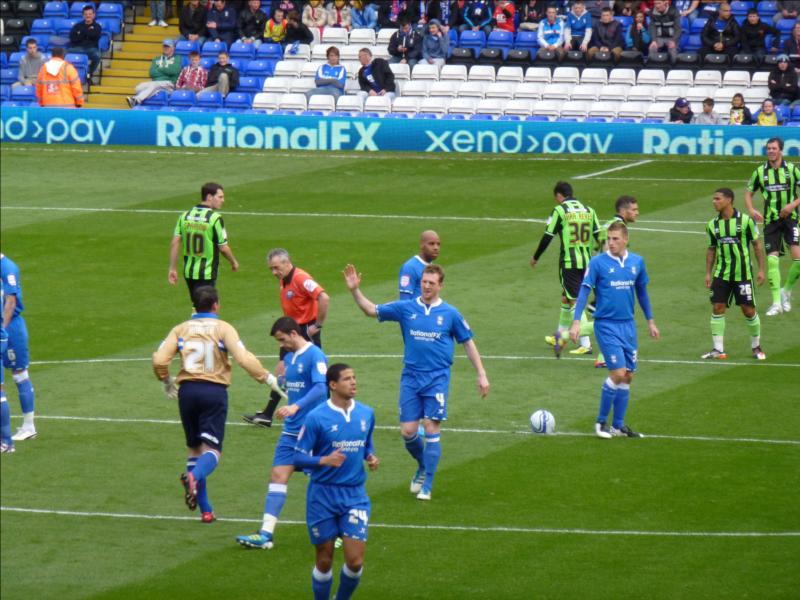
pixel 796 113
pixel 473 40
pixel 536 118
pixel 184 47
pixel 56 10
pixel 208 62
pixel 105 42
pixel 111 25
pixel 5 92
pixel 741 8
pixel 453 117
pixel 23 93
pixel 481 118
pixel 239 101
pixel 623 120
pixel 767 9
pixel 288 113
pixel 314 113
pixel 697 26
pixel 209 100
pixel 4 60
pixel 111 10
pixel 157 100
pixel 77 60
pixel 785 26
pixel 43 26
pixel 369 115
pixel 626 22
pixel 182 99
pixel 652 121
pixel 240 64
pixel 213 48
pixel 784 112
pixel 64 26
pixel 427 115
pixel 8 76
pixel 526 40
pixel 793 124
pixel 501 39
pixel 242 50
pixel 260 68
pixel 595 120
pixel 76 8
pixel 392 115
pixel 250 85
pixel 269 51
pixel 693 43
pixel 339 113
pixel 509 118
pixel 13 59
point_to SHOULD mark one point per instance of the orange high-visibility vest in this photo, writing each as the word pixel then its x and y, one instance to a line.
pixel 62 90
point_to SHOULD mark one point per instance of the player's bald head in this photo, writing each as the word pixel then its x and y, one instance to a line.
pixel 429 245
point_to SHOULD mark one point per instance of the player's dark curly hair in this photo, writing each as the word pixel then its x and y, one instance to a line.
pixel 204 298
pixel 285 325
pixel 335 372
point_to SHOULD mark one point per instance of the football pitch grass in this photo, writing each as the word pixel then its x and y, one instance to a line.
pixel 704 507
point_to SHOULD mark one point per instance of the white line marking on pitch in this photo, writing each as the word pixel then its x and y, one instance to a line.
pixel 694 438
pixel 613 169
pixel 495 529
pixel 681 180
pixel 715 364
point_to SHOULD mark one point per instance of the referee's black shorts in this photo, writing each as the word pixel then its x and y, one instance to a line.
pixel 782 230
pixel 315 339
pixel 571 280
pixel 725 292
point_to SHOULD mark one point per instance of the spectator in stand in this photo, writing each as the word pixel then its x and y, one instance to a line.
pixel 29 64
pixel 578 30
pixel 252 22
pixel 315 15
pixel 787 10
pixel 435 45
pixel 84 38
pixel 681 112
pixel 783 82
pixel 607 35
pixel 687 8
pixel 624 9
pixel 363 15
pixel 767 116
pixel 504 14
pixel 551 32
pixel 792 46
pixel 194 76
pixel 477 16
pixel 296 30
pixel 58 84
pixel 739 114
pixel 286 6
pixel 665 28
pixel 708 116
pixel 709 10
pixel 447 12
pixel 754 35
pixel 418 15
pixel 595 7
pixel 530 13
pixel 331 77
pixel 339 15
pixel 637 37
pixel 192 22
pixel 721 35
pixel 158 9
pixel 391 13
pixel 375 77
pixel 164 72
pixel 275 31
pixel 221 23
pixel 405 45
pixel 223 76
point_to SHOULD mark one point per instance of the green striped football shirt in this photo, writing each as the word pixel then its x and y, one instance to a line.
pixel 778 186
pixel 603 235
pixel 202 232
pixel 576 225
pixel 731 238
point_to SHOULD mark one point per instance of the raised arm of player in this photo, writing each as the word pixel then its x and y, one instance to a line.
pixel 352 279
pixel 475 358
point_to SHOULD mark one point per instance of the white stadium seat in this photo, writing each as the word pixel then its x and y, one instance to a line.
pixel 590 91
pixel 266 101
pixel 334 36
pixel 384 35
pixel 708 78
pixel 547 108
pixel 277 85
pixel 633 110
pixel 651 77
pixel 557 91
pixel 350 103
pixel 351 86
pixel 472 89
pixel 425 71
pixel 292 102
pixel 303 53
pixel 722 98
pixel 513 74
pixel 519 107
pixel 699 93
pixel 500 89
pixel 406 104
pixel 288 68
pixel 737 79
pixel 352 67
pixel 538 75
pixel 658 110
pixel 444 89
pixel 670 93
pixel 380 51
pixel 615 91
pixel 642 93
pixel 760 79
pixel 576 108
pixel 309 69
pixel 606 109
pixel 755 96
pixel 401 71
pixel 684 77
pixel 490 106
pixel 301 85
pixel 463 106
pixel 594 75
pixel 416 88
pixel 622 76
pixel 362 37
pixel 378 104
pixel 529 90
pixel 436 106
pixel 566 75
pixel 481 73
pixel 324 103
pixel 453 73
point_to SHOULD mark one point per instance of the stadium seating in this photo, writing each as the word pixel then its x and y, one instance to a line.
pixel 183 99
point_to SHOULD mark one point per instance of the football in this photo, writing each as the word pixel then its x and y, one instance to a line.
pixel 543 421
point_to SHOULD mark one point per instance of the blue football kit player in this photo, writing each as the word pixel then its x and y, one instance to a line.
pixel 615 276
pixel 334 444
pixel 6 443
pixel 305 369
pixel 410 278
pixel 430 329
pixel 16 355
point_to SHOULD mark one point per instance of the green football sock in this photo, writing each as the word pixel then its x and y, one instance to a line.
pixel 587 326
pixel 794 275
pixel 774 278
pixel 718 331
pixel 565 318
pixel 754 327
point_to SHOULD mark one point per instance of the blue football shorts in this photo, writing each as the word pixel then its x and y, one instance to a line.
pixel 337 511
pixel 16 355
pixel 284 450
pixel 204 408
pixel 423 395
pixel 617 340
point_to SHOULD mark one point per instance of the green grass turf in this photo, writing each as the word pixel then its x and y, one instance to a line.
pixel 95 287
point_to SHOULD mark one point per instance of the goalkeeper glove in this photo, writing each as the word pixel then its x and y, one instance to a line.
pixel 272 382
pixel 171 388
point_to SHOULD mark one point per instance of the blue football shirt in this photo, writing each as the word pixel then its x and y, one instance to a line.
pixel 429 331
pixel 410 280
pixel 328 428
pixel 615 280
pixel 304 368
pixel 11 285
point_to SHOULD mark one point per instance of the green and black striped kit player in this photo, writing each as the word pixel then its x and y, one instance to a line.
pixel 202 232
pixel 732 238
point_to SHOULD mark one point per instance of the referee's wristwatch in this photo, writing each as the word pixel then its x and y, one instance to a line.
pixel 317 325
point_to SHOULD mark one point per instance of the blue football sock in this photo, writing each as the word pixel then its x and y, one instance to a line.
pixel 621 404
pixel 415 447
pixel 5 420
pixel 321 584
pixel 348 582
pixel 202 492
pixel 606 400
pixel 26 396
pixel 273 505
pixel 205 465
pixel 433 452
